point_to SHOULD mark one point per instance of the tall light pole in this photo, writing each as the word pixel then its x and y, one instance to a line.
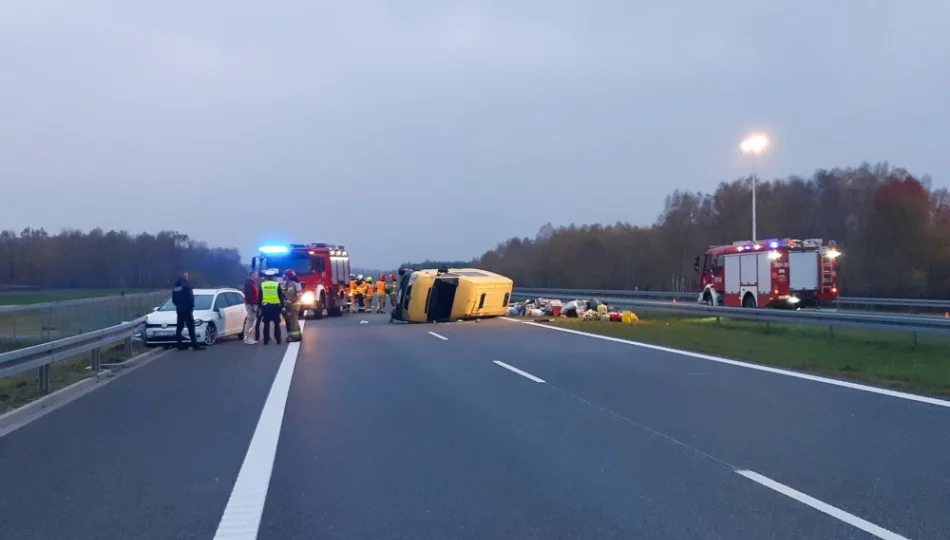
pixel 754 145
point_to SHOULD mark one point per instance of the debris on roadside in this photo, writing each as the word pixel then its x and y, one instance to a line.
pixel 588 310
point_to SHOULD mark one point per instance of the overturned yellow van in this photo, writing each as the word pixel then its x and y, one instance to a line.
pixel 450 294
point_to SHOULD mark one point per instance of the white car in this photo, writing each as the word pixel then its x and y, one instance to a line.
pixel 218 312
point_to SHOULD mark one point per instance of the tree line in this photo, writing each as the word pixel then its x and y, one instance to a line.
pixel 892 227
pixel 113 260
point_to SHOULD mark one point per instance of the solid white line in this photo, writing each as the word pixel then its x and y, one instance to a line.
pixel 443 338
pixel 832 511
pixel 747 365
pixel 242 516
pixel 519 372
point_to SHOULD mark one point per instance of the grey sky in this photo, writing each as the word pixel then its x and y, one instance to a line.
pixel 460 124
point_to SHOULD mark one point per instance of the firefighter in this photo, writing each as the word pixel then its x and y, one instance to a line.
pixel 272 299
pixel 360 292
pixel 370 293
pixel 392 290
pixel 291 304
pixel 352 293
pixel 381 294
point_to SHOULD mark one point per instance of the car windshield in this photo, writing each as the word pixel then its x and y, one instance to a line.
pixel 202 302
pixel 298 263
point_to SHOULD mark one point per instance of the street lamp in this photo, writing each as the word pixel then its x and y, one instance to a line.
pixel 754 145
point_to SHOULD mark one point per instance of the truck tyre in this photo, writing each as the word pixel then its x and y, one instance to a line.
pixel 318 308
pixel 334 311
pixel 748 301
pixel 707 298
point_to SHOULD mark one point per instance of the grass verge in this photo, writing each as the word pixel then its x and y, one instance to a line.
pixel 883 358
pixel 23 388
pixel 59 295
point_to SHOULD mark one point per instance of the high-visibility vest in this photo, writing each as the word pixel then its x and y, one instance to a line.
pixel 269 294
pixel 381 288
pixel 352 286
pixel 360 289
pixel 369 289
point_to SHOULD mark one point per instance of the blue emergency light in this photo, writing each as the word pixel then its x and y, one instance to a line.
pixel 271 250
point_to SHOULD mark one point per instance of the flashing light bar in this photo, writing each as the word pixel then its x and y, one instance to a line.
pixel 270 250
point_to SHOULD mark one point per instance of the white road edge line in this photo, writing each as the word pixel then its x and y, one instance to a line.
pixel 443 338
pixel 826 508
pixel 242 516
pixel 747 365
pixel 518 371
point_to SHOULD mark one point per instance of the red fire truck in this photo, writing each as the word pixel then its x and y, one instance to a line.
pixel 323 269
pixel 783 273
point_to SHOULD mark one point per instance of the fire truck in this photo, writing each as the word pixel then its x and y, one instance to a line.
pixel 323 269
pixel 784 273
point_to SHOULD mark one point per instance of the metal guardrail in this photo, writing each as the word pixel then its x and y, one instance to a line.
pixel 41 356
pixel 30 324
pixel 853 302
pixel 831 319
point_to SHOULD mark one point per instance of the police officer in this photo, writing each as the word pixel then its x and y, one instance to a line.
pixel 272 299
pixel 292 293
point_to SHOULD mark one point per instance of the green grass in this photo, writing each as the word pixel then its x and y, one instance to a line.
pixel 58 295
pixel 888 359
pixel 23 388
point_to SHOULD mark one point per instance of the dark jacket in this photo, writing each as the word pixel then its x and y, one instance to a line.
pixel 183 296
pixel 252 292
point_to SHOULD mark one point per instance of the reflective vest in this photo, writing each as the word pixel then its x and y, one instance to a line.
pixel 269 294
pixel 369 289
pixel 352 286
pixel 360 288
pixel 380 288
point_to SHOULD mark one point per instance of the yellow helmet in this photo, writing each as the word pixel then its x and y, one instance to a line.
pixel 369 279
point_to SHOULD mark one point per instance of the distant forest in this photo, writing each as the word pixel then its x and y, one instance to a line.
pixel 113 259
pixel 892 227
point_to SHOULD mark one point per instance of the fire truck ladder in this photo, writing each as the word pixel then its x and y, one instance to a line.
pixel 827 271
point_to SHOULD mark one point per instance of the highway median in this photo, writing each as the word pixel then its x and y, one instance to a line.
pixel 889 359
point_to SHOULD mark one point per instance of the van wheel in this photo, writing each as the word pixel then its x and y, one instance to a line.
pixel 748 301
pixel 707 298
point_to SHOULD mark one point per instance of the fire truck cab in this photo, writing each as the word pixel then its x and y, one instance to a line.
pixel 323 270
pixel 786 273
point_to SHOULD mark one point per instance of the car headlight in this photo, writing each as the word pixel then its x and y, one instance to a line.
pixel 307 298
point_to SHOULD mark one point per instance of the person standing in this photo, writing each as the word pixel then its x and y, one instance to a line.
pixel 272 299
pixel 183 296
pixel 392 290
pixel 369 294
pixel 381 294
pixel 292 292
pixel 352 293
pixel 252 293
pixel 360 293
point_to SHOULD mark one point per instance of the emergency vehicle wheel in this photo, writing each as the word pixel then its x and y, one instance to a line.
pixel 334 311
pixel 748 301
pixel 318 307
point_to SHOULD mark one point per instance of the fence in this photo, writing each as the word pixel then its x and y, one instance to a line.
pixel 22 326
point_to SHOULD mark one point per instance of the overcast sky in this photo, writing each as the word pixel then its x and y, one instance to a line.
pixel 411 129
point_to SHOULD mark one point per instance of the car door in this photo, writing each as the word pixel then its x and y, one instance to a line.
pixel 221 311
pixel 236 312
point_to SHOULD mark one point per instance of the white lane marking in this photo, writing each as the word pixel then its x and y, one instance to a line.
pixel 747 365
pixel 519 372
pixel 242 516
pixel 443 338
pixel 832 511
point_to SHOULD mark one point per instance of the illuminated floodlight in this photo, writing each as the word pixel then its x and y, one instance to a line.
pixel 754 144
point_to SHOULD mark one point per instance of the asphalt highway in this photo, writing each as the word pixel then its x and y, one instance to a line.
pixel 495 429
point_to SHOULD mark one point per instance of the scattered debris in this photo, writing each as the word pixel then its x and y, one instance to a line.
pixel 364 321
pixel 589 310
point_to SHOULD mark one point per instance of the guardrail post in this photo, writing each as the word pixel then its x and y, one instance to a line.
pixel 94 361
pixel 128 347
pixel 43 379
pixel 915 341
pixel 831 331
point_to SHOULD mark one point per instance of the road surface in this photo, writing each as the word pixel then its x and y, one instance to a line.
pixel 475 430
